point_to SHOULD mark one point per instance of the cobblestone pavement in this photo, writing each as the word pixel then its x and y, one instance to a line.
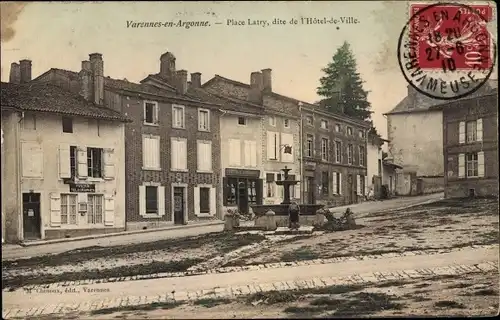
pixel 23 303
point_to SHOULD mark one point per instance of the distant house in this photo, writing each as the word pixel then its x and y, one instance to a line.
pixel 64 159
pixel 415 134
pixel 470 146
pixel 375 172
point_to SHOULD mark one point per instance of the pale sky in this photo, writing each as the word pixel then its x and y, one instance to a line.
pixel 61 35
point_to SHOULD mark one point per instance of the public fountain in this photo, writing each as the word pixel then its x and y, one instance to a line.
pixel 282 209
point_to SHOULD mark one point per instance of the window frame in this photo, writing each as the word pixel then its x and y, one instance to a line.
pixel 90 162
pixel 174 123
pixel 310 120
pixel 270 184
pixel 324 153
pixel 68 214
pixel 474 162
pixel 244 121
pixel 202 111
pixel 272 121
pixel 154 115
pixel 361 157
pixel 207 209
pixel 337 128
pixel 310 148
pixel 349 131
pixel 350 153
pixel 65 122
pixel 472 133
pixel 338 152
pixel 155 211
pixel 91 216
pixel 323 121
pixel 325 187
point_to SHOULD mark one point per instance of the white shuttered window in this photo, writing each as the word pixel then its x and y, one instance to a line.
pixel 234 152
pixel 178 154
pixel 151 152
pixel 204 153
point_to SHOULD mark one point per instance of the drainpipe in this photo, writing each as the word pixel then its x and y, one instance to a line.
pixel 18 180
pixel 301 159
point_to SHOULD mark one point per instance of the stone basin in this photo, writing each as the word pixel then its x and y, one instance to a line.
pixel 282 209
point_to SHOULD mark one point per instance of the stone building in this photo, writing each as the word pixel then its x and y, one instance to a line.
pixel 172 146
pixel 64 161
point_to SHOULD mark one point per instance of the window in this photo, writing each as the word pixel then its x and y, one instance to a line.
pixel 287 123
pixel 337 128
pixel 272 121
pixel 362 185
pixel 67 124
pixel 324 182
pixel 204 154
pixel 349 153
pixel 95 210
pixel 272 147
pixel 68 208
pixel 361 156
pixel 310 145
pixel 309 120
pixel 204 200
pixel 324 149
pixel 150 152
pixel 324 124
pixel 178 154
pixel 242 121
pixel 270 185
pixel 94 162
pixel 361 134
pixel 471 164
pixel 338 151
pixel 252 192
pixel 151 200
pixel 203 120
pixel 349 131
pixel 150 112
pixel 471 130
pixel 178 116
pixel 72 160
pixel 29 122
pixel 232 184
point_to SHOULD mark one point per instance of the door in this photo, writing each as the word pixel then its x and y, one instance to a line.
pixel 242 196
pixel 31 216
pixel 311 187
pixel 351 187
pixel 179 205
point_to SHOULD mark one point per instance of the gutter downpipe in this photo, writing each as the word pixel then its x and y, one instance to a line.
pixel 301 156
pixel 221 197
pixel 20 231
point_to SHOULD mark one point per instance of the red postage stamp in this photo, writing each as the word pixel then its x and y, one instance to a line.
pixel 451 37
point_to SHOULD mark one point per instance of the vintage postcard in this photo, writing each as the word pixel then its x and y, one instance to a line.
pixel 222 160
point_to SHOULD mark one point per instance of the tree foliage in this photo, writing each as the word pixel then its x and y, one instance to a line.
pixel 342 87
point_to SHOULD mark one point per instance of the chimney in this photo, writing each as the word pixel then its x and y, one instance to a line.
pixel 255 94
pixel 86 83
pixel 196 80
pixel 25 70
pixel 167 66
pixel 97 69
pixel 15 73
pixel 267 80
pixel 181 82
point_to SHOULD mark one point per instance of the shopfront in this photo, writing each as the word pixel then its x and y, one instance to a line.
pixel 242 188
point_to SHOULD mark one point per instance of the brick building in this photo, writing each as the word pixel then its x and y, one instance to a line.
pixel 64 161
pixel 278 128
pixel 335 157
pixel 470 146
pixel 172 145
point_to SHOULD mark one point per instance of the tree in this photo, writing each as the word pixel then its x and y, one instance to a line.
pixel 342 88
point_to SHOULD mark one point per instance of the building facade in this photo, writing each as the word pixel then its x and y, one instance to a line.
pixel 279 130
pixel 470 135
pixel 374 165
pixel 172 146
pixel 335 157
pixel 64 163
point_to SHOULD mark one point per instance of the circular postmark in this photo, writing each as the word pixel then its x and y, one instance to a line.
pixel 445 50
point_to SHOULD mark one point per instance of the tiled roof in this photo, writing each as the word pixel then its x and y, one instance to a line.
pixel 45 97
pixel 445 104
pixel 226 103
pixel 424 103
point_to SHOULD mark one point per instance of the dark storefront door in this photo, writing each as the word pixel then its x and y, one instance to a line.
pixel 31 216
pixel 243 196
pixel 311 187
pixel 242 192
pixel 179 205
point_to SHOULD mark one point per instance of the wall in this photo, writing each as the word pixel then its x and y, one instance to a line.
pixel 416 141
pixel 48 134
pixel 431 184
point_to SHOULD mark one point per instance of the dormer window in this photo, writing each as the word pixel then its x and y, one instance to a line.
pixel 150 112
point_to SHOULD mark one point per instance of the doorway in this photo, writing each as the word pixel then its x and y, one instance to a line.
pixel 179 207
pixel 310 193
pixel 31 216
pixel 351 187
pixel 242 196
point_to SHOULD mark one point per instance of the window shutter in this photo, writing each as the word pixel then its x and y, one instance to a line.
pixel 81 159
pixel 142 200
pixel 32 160
pixel 334 183
pixel 64 161
pixel 479 129
pixel 340 183
pixel 174 154
pixel 161 201
pixel 253 154
pixel 145 152
pixel 286 139
pixel 224 191
pixel 155 152
pixel 196 200
pixel 109 163
pixel 109 211
pixel 247 153
pixel 260 190
pixel 213 201
pixel 183 154
pixel 208 156
pixel 235 152
pixel 461 132
pixel 461 165
pixel 200 155
pixel 358 184
pixel 297 191
pixel 55 210
pixel 366 186
pixel 271 147
pixel 480 164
